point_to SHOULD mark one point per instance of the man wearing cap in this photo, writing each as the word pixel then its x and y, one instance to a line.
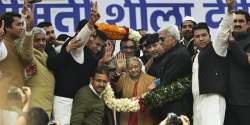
pixel 186 30
pixel 151 47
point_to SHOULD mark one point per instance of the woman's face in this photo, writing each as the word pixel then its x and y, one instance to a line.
pixel 134 69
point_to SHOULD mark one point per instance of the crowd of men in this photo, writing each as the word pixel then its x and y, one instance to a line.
pixel 44 78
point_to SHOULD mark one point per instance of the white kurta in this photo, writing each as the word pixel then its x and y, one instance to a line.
pixel 209 109
pixel 3 51
pixel 62 109
pixel 83 36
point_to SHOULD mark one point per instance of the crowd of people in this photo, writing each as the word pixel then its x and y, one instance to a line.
pixel 49 79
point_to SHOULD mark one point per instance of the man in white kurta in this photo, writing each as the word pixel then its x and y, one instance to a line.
pixel 209 109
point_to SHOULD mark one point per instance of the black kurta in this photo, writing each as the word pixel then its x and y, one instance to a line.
pixel 71 76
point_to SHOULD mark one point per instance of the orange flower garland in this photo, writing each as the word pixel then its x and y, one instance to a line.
pixel 112 31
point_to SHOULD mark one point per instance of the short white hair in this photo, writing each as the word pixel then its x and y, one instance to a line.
pixel 133 58
pixel 171 30
pixel 37 30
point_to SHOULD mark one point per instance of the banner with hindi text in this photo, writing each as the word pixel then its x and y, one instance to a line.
pixel 147 14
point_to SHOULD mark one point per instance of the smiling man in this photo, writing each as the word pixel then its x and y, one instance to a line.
pixel 187 33
pixel 238 103
pixel 211 72
pixel 15 53
pixel 88 105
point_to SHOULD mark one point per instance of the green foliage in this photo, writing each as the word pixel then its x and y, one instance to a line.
pixel 167 93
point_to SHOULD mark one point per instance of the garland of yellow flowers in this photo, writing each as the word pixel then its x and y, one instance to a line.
pixel 152 99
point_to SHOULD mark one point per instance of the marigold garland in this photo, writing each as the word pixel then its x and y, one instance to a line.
pixel 112 31
pixel 115 32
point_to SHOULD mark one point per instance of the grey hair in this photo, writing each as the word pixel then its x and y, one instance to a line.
pixel 171 30
pixel 37 30
pixel 133 58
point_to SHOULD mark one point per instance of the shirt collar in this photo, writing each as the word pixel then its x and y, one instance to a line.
pixel 93 90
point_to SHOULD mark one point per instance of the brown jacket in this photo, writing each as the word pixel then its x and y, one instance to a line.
pixel 12 67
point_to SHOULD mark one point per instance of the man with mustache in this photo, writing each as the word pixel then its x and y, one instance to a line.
pixel 15 54
pixel 186 30
pixel 88 105
pixel 50 37
pixel 238 94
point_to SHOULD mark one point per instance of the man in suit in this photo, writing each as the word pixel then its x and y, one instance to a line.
pixel 172 64
pixel 238 95
pixel 88 105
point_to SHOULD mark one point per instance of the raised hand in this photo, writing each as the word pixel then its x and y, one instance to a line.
pixel 107 54
pixel 94 16
pixel 2 31
pixel 120 62
pixel 29 15
pixel 230 5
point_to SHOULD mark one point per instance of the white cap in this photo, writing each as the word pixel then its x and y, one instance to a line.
pixel 189 18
